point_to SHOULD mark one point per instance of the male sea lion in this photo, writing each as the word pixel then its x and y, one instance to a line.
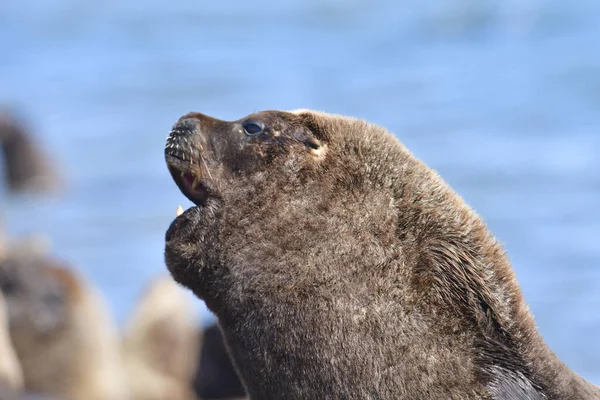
pixel 341 267
pixel 161 343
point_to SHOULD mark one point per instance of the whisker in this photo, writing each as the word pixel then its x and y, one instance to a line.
pixel 206 166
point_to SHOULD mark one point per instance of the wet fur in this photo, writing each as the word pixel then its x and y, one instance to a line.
pixel 356 275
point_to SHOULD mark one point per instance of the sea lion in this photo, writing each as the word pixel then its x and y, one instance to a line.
pixel 64 337
pixel 342 267
pixel 36 302
pixel 161 343
pixel 26 167
pixel 216 377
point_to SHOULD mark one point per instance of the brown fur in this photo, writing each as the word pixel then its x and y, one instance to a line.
pixel 63 335
pixel 341 267
pixel 161 344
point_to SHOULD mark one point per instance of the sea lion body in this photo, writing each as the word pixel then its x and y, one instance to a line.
pixel 160 344
pixel 63 334
pixel 341 267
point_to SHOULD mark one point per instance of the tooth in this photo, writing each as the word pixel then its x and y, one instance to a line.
pixel 195 183
pixel 179 210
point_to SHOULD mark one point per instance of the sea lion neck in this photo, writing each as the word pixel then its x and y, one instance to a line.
pixel 461 267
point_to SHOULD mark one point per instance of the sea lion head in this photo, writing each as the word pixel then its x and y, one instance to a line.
pixel 202 152
pixel 245 169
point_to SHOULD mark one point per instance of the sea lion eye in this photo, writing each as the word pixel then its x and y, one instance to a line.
pixel 253 128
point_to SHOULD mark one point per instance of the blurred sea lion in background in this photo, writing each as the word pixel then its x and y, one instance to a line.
pixel 63 334
pixel 26 166
pixel 11 375
pixel 217 377
pixel 161 343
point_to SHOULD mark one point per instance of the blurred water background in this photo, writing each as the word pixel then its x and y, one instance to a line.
pixel 502 98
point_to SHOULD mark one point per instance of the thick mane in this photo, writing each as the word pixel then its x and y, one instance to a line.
pixel 459 265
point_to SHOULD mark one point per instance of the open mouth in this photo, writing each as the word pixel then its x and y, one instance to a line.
pixel 189 182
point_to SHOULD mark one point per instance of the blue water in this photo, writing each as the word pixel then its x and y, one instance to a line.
pixel 502 99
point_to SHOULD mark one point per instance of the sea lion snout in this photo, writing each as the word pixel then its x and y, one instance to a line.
pixel 185 152
pixel 185 140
